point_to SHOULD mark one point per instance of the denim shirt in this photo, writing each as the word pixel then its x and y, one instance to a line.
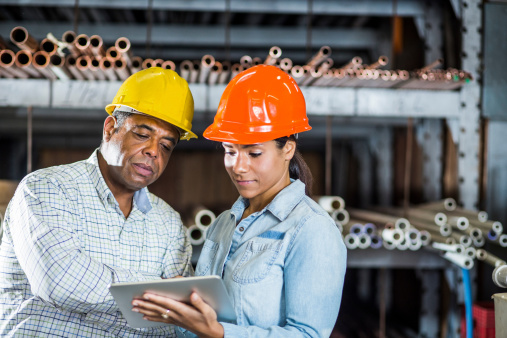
pixel 283 266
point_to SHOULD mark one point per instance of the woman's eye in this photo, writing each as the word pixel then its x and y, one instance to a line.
pixel 229 153
pixel 255 154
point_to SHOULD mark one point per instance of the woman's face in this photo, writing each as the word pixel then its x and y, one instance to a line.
pixel 259 171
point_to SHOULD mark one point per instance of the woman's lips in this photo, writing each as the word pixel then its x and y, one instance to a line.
pixel 244 182
pixel 143 169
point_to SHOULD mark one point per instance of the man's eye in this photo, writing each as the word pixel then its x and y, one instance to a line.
pixel 230 153
pixel 141 135
pixel 166 148
pixel 255 154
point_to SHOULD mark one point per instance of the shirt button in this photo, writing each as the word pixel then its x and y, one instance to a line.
pixel 241 229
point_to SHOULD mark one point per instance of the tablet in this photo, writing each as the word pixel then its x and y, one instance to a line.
pixel 210 288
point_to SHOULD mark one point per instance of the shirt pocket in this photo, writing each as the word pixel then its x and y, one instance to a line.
pixel 206 258
pixel 257 260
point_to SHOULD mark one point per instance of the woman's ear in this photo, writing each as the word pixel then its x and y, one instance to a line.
pixel 289 149
pixel 109 128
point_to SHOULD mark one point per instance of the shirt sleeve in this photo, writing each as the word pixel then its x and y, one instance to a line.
pixel 50 254
pixel 313 275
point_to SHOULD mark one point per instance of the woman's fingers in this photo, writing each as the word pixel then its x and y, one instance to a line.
pixel 149 309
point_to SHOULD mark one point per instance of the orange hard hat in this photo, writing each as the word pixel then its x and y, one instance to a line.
pixel 260 104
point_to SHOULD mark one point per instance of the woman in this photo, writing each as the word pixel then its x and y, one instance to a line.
pixel 279 253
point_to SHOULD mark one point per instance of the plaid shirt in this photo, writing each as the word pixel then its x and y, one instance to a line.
pixel 66 240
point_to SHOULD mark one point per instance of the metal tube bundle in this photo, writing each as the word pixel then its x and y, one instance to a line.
pixel 317 71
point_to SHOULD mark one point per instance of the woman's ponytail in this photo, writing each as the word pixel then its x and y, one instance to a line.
pixel 298 169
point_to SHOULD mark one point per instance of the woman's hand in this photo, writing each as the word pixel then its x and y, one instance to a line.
pixel 199 317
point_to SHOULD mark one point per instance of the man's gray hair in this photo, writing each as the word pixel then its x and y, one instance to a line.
pixel 120 117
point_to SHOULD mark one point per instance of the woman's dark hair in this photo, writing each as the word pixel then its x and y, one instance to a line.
pixel 298 169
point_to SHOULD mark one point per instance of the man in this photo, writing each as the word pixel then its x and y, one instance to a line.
pixel 72 230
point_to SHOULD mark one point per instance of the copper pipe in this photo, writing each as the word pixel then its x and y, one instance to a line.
pixel 147 63
pixel 137 64
pixel 106 66
pixel 40 61
pixel 298 74
pixel 354 63
pixel 432 65
pixel 286 64
pixel 340 76
pixel 194 71
pixel 256 61
pixel 82 44
pixel 169 65
pixel 246 61
pixel 381 61
pixel 323 53
pixel 113 53
pixel 325 79
pixel 157 63
pixel 123 47
pixel 207 61
pixel 215 72
pixel 120 67
pixel 21 38
pixel 48 46
pixel 8 65
pixel 57 65
pixel 236 69
pixel 96 70
pixel 274 53
pixel 83 64
pixel 69 38
pixel 185 67
pixel 314 74
pixel 326 65
pixel 225 73
pixel 97 46
pixel 71 63
pixel 24 61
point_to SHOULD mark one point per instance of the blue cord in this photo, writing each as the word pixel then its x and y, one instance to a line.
pixel 467 286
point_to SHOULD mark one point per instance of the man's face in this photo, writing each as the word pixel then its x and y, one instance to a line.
pixel 137 152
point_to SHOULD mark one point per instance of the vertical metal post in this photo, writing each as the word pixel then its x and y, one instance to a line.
pixel 430 301
pixel 381 145
pixel 29 136
pixel 329 155
pixel 429 137
pixel 362 153
pixel 408 166
pixel 469 122
pixel 430 131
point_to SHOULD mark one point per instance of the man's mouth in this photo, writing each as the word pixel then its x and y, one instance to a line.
pixel 143 169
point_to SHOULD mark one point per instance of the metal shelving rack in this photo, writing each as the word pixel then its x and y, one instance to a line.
pixel 459 109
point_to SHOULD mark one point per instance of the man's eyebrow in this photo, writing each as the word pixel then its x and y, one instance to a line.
pixel 145 126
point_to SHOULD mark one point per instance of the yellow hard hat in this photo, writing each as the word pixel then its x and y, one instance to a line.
pixel 160 93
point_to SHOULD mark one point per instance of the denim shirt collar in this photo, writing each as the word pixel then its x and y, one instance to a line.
pixel 141 199
pixel 281 206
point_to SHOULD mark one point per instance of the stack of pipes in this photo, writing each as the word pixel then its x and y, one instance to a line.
pixel 86 58
pixel 198 223
pixel 456 233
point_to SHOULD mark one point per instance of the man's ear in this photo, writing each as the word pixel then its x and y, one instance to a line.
pixel 109 128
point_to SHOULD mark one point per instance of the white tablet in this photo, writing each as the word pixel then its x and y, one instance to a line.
pixel 210 288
